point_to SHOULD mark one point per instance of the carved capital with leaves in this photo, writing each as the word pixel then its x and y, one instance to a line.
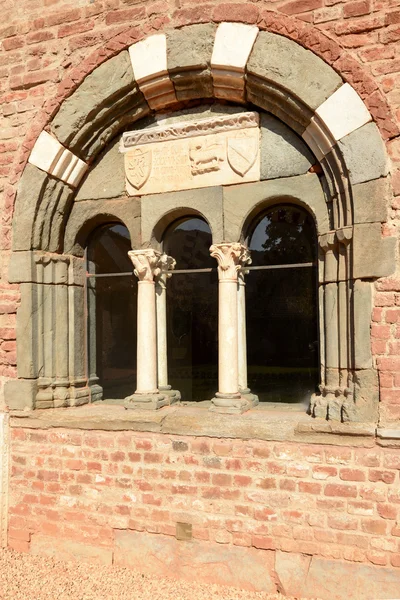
pixel 231 257
pixel 146 263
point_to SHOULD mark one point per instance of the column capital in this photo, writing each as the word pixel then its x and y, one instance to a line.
pixel 146 262
pixel 231 257
pixel 328 241
pixel 344 235
pixel 166 265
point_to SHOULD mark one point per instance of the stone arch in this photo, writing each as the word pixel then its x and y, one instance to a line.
pixel 163 222
pixel 168 71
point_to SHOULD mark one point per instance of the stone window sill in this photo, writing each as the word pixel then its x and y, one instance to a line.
pixel 264 422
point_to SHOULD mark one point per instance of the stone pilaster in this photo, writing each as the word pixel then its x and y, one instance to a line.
pixel 146 268
pixel 231 257
pixel 166 265
pixel 242 339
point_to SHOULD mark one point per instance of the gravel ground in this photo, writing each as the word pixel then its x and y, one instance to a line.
pixel 26 577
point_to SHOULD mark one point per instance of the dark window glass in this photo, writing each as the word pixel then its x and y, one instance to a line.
pixel 112 305
pixel 282 318
pixel 192 305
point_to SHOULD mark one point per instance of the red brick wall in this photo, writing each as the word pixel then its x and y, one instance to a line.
pixel 49 45
pixel 334 502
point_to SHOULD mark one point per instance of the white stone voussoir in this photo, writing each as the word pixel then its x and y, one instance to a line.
pixel 51 156
pixel 343 112
pixel 318 138
pixel 232 46
pixel 149 64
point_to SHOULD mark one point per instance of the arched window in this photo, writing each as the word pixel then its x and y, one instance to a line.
pixel 111 308
pixel 282 313
pixel 192 310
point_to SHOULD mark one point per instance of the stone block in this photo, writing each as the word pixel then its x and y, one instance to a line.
pixel 292 570
pixel 159 210
pixel 149 64
pixel 27 331
pixel 86 216
pixel 363 406
pixel 64 549
pixel 342 122
pixel 364 154
pixel 245 568
pixel 243 202
pixel 292 67
pixel 4 476
pixel 373 255
pixel 31 187
pixel 106 99
pixel 21 267
pixel 232 47
pixel 371 200
pixel 51 156
pixel 318 138
pixel 339 580
pixel 106 178
pixel 188 59
pixel 283 153
pixel 362 298
pixel 20 394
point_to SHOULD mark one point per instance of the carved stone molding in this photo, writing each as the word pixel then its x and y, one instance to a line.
pixel 147 263
pixel 231 257
pixel 166 133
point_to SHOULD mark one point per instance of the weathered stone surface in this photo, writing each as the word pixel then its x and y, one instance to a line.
pixel 371 200
pixel 339 580
pixel 188 58
pixel 292 570
pixel 241 202
pixel 27 331
pixel 363 407
pixel 297 70
pixel 245 568
pixel 107 100
pixel 85 216
pixel 373 255
pixel 283 154
pixel 4 476
pixel 30 190
pixel 20 393
pixel 21 267
pixel 105 179
pixel 159 210
pixel 362 295
pixel 364 154
pixel 64 549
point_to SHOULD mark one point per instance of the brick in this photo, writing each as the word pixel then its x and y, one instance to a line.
pixel 387 511
pixel 342 522
pixel 352 475
pixel 294 7
pixel 377 527
pixel 357 8
pixel 309 488
pixel 336 489
pixel 18 545
pixel 381 475
pixel 126 16
pixel 244 13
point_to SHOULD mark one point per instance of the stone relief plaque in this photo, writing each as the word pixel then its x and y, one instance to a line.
pixel 219 151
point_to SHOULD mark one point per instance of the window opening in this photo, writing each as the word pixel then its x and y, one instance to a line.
pixel 281 300
pixel 111 313
pixel 192 310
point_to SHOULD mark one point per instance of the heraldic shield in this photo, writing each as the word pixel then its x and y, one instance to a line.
pixel 138 166
pixel 241 153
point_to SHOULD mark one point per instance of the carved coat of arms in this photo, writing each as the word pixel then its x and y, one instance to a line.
pixel 138 166
pixel 241 153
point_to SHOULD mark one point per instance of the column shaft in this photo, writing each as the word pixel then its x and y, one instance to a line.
pixel 228 382
pixel 146 339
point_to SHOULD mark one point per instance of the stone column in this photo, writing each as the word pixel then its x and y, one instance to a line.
pixel 167 264
pixel 230 257
pixel 147 395
pixel 242 340
pixel 61 382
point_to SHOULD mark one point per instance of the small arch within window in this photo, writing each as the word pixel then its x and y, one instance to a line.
pixel 192 310
pixel 282 308
pixel 111 310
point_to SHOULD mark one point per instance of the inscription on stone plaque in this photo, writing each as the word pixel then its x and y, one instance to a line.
pixel 218 151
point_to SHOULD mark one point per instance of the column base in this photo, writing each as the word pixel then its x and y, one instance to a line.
pixel 174 395
pixel 230 404
pixel 146 401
